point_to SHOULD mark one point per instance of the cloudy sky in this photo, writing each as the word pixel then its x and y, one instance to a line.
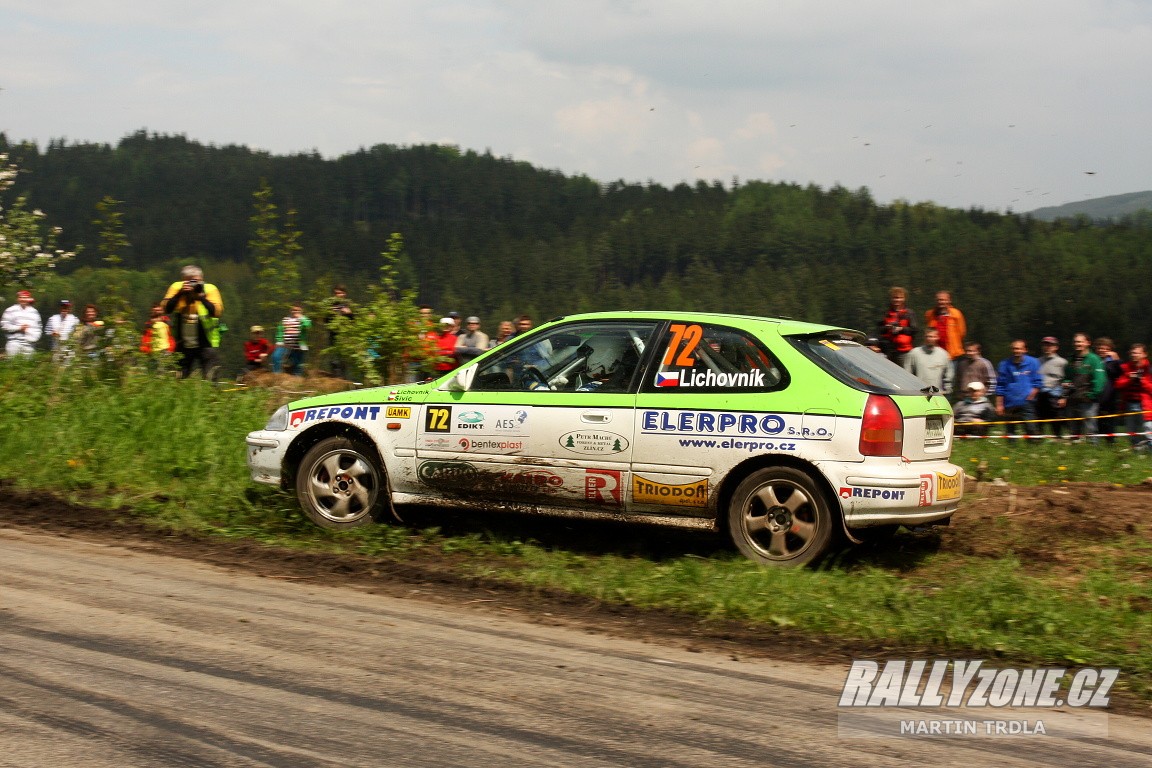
pixel 1000 104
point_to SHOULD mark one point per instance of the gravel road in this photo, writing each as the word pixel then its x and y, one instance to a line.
pixel 113 655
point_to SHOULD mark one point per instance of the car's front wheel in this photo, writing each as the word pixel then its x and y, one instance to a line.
pixel 779 516
pixel 339 484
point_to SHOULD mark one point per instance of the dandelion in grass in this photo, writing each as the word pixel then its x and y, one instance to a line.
pixel 1061 468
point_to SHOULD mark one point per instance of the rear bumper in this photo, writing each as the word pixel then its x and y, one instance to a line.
pixel 901 493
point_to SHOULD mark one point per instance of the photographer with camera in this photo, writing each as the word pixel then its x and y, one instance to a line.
pixel 195 308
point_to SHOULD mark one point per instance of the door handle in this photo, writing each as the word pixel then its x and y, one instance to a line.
pixel 596 417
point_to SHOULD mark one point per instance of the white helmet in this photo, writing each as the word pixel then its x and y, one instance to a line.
pixel 608 353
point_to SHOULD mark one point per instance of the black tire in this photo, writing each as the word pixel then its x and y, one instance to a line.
pixel 339 484
pixel 779 516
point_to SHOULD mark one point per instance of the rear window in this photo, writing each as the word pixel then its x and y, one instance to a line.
pixel 845 358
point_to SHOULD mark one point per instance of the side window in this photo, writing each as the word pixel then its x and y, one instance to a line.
pixel 581 357
pixel 697 357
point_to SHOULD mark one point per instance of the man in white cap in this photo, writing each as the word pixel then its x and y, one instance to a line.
pixel 445 345
pixel 974 411
pixel 472 342
pixel 22 323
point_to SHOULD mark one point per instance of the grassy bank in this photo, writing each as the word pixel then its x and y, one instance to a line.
pixel 173 453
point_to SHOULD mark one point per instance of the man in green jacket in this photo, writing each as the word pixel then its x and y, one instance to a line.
pixel 1084 380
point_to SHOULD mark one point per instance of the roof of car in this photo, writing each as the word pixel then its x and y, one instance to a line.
pixel 784 326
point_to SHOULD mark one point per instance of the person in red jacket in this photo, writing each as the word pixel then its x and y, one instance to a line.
pixel 256 349
pixel 1134 394
pixel 897 329
pixel 445 338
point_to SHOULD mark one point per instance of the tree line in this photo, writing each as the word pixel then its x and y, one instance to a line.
pixel 495 237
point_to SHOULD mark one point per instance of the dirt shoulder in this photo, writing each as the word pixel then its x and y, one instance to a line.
pixel 1044 525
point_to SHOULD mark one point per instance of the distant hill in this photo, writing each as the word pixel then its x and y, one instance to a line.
pixel 1111 207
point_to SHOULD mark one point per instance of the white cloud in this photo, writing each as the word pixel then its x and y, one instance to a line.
pixel 964 103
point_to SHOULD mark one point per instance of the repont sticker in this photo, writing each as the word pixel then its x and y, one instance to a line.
pixel 888 494
pixel 354 412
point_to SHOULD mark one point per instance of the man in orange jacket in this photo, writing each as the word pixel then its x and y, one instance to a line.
pixel 949 323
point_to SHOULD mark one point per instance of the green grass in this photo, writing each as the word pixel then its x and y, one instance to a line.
pixel 172 453
pixel 1053 461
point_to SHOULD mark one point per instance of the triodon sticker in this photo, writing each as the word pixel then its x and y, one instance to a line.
pixel 353 412
pixel 810 427
pixel 645 491
pixel 949 486
pixel 937 487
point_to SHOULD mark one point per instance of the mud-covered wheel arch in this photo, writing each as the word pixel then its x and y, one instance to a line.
pixel 308 439
pixel 723 499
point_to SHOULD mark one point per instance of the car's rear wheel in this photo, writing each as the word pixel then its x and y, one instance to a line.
pixel 779 516
pixel 339 484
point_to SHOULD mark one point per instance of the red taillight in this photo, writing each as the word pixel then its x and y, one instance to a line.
pixel 882 429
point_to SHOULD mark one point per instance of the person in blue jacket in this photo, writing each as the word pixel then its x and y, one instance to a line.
pixel 1018 381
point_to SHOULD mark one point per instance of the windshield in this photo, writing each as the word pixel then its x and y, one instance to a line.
pixel 858 366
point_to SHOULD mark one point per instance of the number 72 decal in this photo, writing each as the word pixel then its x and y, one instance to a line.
pixel 438 419
pixel 687 335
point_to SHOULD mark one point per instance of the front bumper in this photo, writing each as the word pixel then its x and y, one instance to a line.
pixel 266 455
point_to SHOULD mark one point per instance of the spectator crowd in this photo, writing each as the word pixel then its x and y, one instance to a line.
pixel 1090 394
pixel 184 330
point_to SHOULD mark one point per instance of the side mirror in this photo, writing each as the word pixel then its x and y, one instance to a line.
pixel 462 381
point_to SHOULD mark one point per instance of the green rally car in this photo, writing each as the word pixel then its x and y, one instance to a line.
pixel 787 435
